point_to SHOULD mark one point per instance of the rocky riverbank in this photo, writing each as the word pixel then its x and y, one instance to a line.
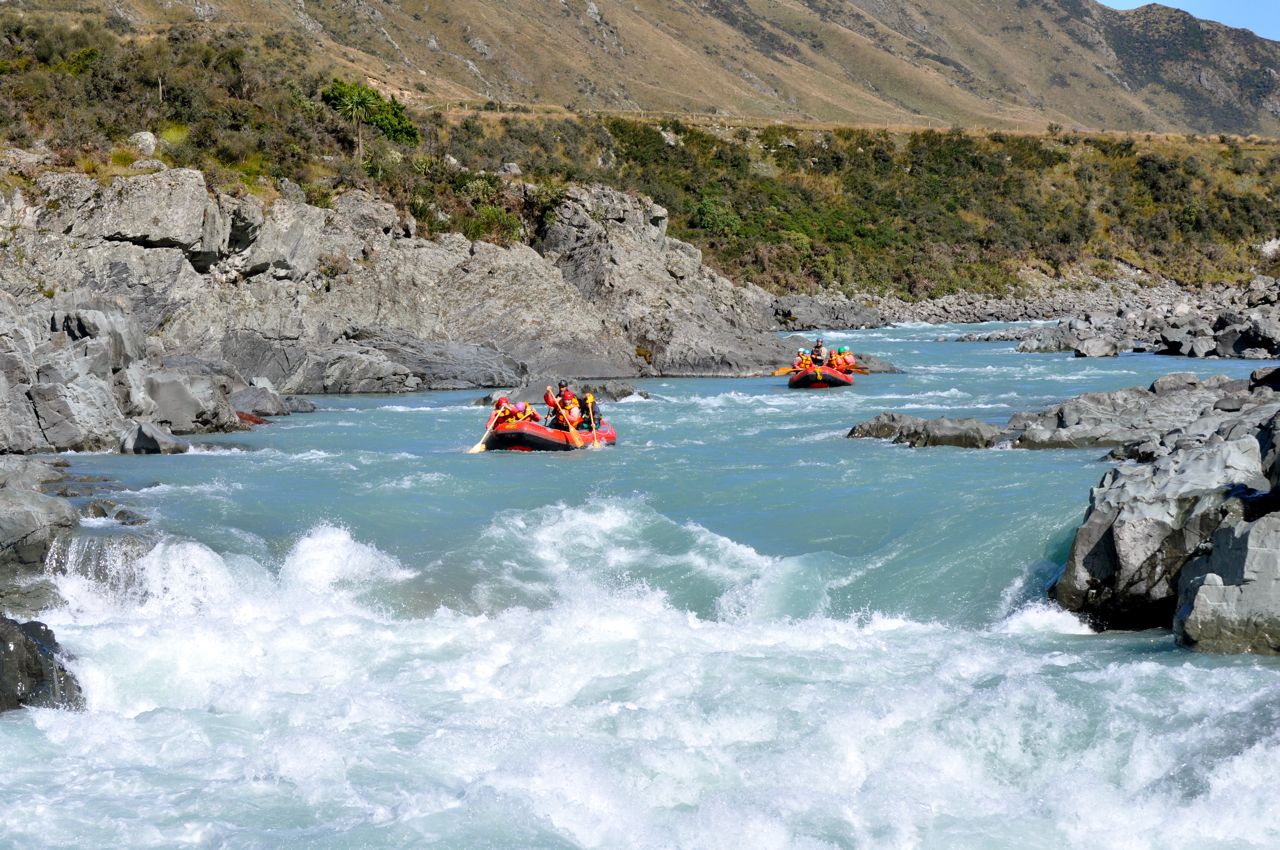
pixel 1182 537
pixel 350 299
pixel 1222 321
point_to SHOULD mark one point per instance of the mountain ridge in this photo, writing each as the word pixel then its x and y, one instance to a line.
pixel 1011 64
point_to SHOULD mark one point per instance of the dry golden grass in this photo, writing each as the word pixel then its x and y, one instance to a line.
pixel 901 66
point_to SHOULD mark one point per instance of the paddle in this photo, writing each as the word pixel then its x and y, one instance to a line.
pixel 783 370
pixel 573 432
pixel 591 413
pixel 488 429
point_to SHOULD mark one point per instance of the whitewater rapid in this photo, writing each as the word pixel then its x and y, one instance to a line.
pixel 342 631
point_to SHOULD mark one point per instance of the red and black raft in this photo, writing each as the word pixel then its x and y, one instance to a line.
pixel 819 378
pixel 532 437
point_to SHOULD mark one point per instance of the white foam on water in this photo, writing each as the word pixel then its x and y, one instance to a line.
pixel 1042 618
pixel 217 487
pixel 214 449
pixel 411 481
pixel 230 706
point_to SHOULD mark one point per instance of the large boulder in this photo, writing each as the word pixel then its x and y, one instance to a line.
pixel 148 438
pixel 1144 523
pixel 288 241
pixel 1229 597
pixel 31 669
pixel 260 401
pixel 191 403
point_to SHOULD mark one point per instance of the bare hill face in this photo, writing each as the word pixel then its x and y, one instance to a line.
pixel 1000 63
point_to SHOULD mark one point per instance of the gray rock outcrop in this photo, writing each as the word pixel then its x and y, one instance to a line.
pixel 915 431
pixel 1139 423
pixel 680 316
pixel 1142 525
pixel 1220 321
pixel 260 401
pixel 70 377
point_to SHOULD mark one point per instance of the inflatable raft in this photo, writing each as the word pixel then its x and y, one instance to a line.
pixel 532 437
pixel 819 378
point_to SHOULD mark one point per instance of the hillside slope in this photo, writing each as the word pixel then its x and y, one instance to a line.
pixel 995 63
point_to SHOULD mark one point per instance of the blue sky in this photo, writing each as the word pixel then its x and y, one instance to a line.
pixel 1261 16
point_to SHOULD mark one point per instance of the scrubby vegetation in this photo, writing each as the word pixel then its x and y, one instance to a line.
pixel 918 213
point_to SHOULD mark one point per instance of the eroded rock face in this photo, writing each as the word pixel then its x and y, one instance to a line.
pixel 70 378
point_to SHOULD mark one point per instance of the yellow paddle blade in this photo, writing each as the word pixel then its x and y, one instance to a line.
pixel 477 448
pixel 782 370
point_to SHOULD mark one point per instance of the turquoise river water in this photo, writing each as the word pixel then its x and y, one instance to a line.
pixel 737 629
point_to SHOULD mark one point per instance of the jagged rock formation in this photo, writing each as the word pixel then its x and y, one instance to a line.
pixel 349 300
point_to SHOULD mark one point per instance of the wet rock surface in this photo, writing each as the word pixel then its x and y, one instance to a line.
pixel 31 669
